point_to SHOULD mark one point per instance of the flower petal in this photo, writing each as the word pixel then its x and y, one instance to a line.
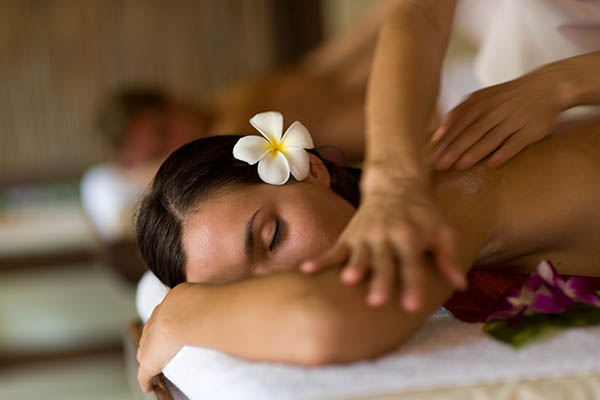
pixel 547 272
pixel 274 168
pixel 297 136
pixel 505 314
pixel 269 124
pixel 299 162
pixel 250 149
pixel 580 289
pixel 533 283
pixel 543 302
pixel 561 295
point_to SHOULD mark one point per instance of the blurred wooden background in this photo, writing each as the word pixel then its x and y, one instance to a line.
pixel 60 58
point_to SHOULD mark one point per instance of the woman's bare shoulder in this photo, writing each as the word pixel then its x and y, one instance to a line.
pixel 549 201
pixel 542 203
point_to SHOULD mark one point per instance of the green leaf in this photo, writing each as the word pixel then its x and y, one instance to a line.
pixel 539 326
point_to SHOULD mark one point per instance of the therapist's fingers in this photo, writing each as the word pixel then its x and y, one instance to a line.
pixel 469 137
pixel 458 118
pixel 383 281
pixel 409 257
pixel 514 144
pixel 457 121
pixel 335 256
pixel 358 264
pixel 486 145
pixel 445 258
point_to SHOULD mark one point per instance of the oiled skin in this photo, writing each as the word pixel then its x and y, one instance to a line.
pixel 542 204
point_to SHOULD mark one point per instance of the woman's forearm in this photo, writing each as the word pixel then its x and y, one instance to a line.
pixel 266 318
pixel 404 84
pixel 293 318
pixel 580 79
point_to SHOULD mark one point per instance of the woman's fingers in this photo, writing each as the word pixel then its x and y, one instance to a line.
pixel 144 376
pixel 358 265
pixel 336 256
pixel 383 281
pixel 145 380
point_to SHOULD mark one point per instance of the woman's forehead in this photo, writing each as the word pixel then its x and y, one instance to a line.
pixel 213 237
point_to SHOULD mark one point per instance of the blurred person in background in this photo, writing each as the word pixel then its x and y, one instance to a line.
pixel 143 123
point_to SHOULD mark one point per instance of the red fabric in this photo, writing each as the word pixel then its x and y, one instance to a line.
pixel 486 294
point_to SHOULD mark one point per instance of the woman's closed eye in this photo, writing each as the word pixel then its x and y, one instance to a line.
pixel 276 234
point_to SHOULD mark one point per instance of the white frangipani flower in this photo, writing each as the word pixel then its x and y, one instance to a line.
pixel 276 156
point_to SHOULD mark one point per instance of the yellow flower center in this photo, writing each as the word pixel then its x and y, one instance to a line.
pixel 274 147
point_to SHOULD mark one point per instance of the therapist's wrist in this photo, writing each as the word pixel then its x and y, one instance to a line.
pixel 570 91
pixel 387 179
pixel 575 82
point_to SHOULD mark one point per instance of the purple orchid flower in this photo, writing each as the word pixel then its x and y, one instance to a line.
pixel 546 292
pixel 575 289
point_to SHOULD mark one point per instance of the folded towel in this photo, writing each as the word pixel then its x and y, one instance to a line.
pixel 444 352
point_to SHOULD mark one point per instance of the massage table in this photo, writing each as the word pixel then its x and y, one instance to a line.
pixel 582 386
pixel 445 359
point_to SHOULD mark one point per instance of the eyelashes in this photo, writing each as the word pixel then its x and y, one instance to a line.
pixel 276 235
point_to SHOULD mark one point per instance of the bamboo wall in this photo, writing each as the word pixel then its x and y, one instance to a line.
pixel 60 58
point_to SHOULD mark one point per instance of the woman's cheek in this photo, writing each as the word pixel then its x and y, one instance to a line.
pixel 302 242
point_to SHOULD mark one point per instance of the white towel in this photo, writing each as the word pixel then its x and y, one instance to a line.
pixel 444 352
pixel 109 197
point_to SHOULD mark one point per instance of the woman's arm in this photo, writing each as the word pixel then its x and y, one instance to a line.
pixel 287 317
pixel 292 318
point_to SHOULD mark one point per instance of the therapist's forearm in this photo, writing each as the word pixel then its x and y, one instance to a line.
pixel 403 86
pixel 578 79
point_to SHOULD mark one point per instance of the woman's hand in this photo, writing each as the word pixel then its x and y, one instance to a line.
pixel 389 238
pixel 500 121
pixel 156 349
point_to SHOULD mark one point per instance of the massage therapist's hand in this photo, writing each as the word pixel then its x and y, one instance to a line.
pixel 498 121
pixel 391 239
pixel 156 348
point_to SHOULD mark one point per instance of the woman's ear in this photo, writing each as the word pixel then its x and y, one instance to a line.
pixel 318 171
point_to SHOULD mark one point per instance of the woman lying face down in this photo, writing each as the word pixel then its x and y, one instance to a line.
pixel 208 222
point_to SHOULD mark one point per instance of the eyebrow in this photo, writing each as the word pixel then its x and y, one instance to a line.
pixel 250 234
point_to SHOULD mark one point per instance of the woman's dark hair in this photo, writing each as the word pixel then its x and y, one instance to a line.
pixel 187 176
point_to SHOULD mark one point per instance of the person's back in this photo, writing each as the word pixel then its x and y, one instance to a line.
pixel 540 205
